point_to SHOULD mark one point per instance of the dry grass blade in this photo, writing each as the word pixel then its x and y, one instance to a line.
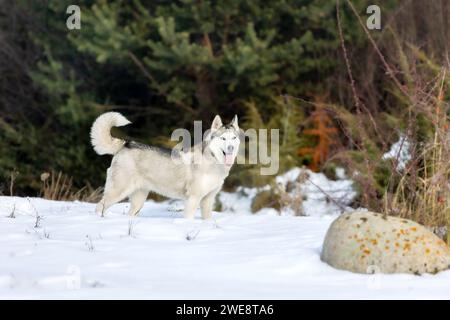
pixel 59 186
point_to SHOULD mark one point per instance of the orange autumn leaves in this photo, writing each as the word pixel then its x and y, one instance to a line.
pixel 323 129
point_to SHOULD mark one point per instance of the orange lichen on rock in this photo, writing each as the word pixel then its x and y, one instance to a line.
pixel 393 246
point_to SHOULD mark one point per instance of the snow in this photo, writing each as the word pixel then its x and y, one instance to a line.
pixel 400 151
pixel 340 173
pixel 323 196
pixel 75 254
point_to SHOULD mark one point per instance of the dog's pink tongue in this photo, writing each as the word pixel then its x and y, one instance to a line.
pixel 229 159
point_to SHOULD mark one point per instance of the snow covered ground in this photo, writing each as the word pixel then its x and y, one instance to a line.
pixel 74 254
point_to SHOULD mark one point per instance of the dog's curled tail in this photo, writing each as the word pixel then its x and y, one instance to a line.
pixel 101 137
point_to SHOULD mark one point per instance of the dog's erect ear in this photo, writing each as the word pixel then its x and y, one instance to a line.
pixel 216 124
pixel 234 122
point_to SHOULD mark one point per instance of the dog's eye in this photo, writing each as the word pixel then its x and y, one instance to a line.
pixel 222 138
pixel 234 137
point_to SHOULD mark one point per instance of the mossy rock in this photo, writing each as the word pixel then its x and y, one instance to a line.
pixel 329 170
pixel 218 206
pixel 266 199
pixel 367 242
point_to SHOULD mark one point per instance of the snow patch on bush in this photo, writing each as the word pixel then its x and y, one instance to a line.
pixel 401 152
pixel 322 195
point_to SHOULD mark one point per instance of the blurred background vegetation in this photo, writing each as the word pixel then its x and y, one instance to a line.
pixel 340 94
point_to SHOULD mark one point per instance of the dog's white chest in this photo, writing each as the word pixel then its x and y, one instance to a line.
pixel 207 183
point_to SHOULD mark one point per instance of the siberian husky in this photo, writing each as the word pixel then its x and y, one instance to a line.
pixel 137 169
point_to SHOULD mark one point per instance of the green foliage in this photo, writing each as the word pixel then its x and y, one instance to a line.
pixel 372 173
pixel 286 117
pixel 202 56
pixel 163 64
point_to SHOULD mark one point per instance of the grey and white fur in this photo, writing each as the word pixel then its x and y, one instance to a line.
pixel 137 169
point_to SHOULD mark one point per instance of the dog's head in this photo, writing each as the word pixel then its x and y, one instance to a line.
pixel 223 140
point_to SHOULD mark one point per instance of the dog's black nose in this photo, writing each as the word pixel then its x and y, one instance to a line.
pixel 230 149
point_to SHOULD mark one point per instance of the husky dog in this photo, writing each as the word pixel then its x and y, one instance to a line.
pixel 137 169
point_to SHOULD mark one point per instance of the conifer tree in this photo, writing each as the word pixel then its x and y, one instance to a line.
pixel 163 64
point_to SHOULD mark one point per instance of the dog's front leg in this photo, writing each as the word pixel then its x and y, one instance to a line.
pixel 190 205
pixel 207 204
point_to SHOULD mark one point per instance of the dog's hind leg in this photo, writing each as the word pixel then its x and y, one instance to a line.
pixel 137 200
pixel 111 196
pixel 115 191
pixel 108 200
